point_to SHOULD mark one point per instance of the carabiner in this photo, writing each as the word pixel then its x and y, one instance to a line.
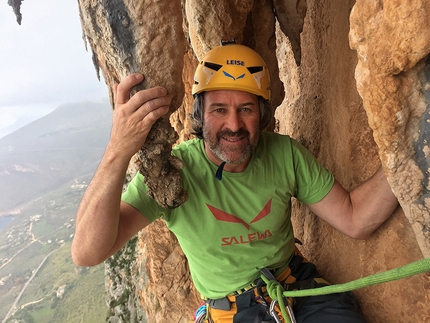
pixel 275 315
pixel 273 312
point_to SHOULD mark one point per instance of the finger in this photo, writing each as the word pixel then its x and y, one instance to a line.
pixel 154 105
pixel 114 89
pixel 154 115
pixel 145 97
pixel 124 87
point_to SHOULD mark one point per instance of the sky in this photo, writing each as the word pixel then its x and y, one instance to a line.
pixel 43 62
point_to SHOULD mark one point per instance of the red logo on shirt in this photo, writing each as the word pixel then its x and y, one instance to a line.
pixel 227 217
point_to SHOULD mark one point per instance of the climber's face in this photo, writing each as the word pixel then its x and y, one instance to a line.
pixel 230 127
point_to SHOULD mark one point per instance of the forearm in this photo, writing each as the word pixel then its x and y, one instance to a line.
pixel 102 226
pixel 97 220
pixel 372 203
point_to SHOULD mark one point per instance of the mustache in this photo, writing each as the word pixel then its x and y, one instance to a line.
pixel 227 132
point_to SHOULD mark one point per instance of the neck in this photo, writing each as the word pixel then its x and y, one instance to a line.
pixel 232 168
pixel 237 168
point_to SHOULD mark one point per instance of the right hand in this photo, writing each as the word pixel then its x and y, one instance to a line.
pixel 134 116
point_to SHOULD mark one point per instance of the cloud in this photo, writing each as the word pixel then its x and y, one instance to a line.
pixel 15 117
pixel 10 114
pixel 44 61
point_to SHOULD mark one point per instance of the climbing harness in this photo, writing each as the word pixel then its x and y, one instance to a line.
pixel 276 292
pixel 253 304
pixel 280 308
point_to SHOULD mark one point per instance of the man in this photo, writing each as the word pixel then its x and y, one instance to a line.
pixel 236 222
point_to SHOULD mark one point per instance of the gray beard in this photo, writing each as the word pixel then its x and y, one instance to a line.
pixel 217 149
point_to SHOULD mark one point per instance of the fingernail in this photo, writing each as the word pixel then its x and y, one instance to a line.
pixel 139 77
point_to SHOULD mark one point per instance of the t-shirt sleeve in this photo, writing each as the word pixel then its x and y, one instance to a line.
pixel 312 179
pixel 136 195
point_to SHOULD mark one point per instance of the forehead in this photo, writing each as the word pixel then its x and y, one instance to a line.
pixel 229 97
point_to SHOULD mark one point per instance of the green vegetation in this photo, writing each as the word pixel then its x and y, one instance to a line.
pixel 59 291
pixel 84 292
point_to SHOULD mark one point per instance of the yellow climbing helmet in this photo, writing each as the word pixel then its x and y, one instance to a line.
pixel 232 67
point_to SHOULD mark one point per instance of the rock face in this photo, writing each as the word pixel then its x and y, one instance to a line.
pixel 143 37
pixel 16 7
pixel 393 78
pixel 350 81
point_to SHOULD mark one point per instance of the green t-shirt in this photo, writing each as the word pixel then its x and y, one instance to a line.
pixel 229 229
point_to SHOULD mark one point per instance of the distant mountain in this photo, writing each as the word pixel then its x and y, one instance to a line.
pixel 52 151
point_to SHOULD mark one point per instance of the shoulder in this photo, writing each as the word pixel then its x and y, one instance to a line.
pixel 273 136
pixel 280 141
pixel 189 146
pixel 188 150
pixel 275 143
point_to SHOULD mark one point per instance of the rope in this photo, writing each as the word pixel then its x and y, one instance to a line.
pixel 275 291
pixel 274 287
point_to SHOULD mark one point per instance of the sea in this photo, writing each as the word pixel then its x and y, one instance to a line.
pixel 5 220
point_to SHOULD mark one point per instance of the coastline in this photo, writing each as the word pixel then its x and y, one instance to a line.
pixel 4 220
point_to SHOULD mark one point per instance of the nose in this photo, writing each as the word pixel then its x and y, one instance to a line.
pixel 234 121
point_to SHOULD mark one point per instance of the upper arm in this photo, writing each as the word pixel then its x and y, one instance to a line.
pixel 360 212
pixel 131 221
pixel 336 209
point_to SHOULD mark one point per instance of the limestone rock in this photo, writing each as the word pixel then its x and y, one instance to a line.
pixel 324 111
pixel 393 78
pixel 164 284
pixel 143 37
pixel 16 6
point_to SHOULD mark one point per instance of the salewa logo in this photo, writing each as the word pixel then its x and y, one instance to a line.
pixel 232 77
pixel 254 236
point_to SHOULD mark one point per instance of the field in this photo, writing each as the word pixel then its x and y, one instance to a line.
pixel 36 269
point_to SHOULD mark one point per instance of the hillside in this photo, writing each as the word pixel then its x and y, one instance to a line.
pixel 44 170
pixel 39 283
pixel 52 151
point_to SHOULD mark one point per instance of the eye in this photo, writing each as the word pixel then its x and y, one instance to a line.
pixel 219 111
pixel 247 110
